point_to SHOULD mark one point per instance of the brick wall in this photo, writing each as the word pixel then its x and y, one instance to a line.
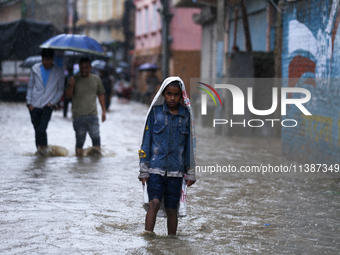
pixel 310 59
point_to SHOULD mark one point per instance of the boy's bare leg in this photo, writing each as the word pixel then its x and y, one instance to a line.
pixel 150 218
pixel 172 221
pixel 79 152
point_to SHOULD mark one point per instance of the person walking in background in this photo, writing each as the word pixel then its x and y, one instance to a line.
pixel 65 99
pixel 84 88
pixel 122 88
pixel 44 91
pixel 107 83
pixel 151 84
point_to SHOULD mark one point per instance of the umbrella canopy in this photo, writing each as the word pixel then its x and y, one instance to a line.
pixel 147 67
pixel 99 65
pixel 31 61
pixel 79 43
pixel 72 57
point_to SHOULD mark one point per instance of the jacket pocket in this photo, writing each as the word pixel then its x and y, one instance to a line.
pixel 36 97
pixel 184 130
pixel 158 129
pixel 158 134
pixel 158 137
pixel 183 133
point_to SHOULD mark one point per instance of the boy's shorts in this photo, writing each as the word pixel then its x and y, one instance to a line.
pixel 84 124
pixel 170 187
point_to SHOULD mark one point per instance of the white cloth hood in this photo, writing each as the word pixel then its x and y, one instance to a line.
pixel 159 100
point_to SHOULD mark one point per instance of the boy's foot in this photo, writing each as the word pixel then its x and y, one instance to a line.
pixel 148 233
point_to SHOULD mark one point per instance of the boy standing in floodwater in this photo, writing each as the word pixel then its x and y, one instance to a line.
pixel 166 153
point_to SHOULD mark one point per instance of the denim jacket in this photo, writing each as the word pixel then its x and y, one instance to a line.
pixel 166 147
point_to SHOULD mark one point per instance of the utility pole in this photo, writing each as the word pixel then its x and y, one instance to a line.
pixel 246 26
pixel 278 40
pixel 74 16
pixel 220 54
pixel 220 39
pixel 166 18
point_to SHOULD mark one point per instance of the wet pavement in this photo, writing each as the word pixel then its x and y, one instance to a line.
pixel 66 205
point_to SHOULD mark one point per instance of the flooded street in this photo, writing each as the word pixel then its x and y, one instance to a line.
pixel 66 205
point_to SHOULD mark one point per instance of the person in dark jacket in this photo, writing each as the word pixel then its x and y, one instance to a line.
pixel 107 83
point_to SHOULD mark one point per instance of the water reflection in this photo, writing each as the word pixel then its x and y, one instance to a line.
pixel 37 169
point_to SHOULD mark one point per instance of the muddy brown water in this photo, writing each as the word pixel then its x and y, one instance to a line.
pixel 65 205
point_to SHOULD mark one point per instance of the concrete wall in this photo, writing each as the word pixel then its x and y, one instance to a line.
pixel 181 64
pixel 186 34
pixel 49 11
pixel 310 59
pixel 10 13
pixel 44 10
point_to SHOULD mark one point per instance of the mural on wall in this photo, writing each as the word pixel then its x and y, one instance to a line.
pixel 319 47
pixel 311 59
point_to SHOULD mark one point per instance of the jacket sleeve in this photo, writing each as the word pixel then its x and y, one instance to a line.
pixel 60 87
pixel 145 151
pixel 189 157
pixel 30 88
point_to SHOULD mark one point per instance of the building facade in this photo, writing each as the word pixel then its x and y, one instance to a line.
pixel 101 19
pixel 10 11
pixel 248 52
pixel 261 16
pixel 185 41
pixel 109 22
pixel 40 10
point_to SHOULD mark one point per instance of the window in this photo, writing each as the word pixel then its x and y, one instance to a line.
pixel 100 10
pixel 89 13
pixel 154 16
pixel 146 20
pixel 107 10
pixel 139 22
pixel 80 8
pixel 119 8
